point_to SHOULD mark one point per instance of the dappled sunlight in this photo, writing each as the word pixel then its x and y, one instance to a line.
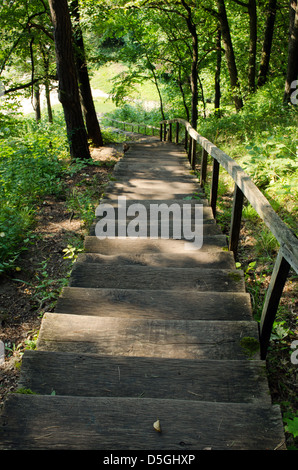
pixel 144 338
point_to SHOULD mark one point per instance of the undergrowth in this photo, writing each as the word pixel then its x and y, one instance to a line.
pixel 262 139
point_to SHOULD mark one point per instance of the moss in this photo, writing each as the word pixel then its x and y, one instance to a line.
pixel 25 391
pixel 250 345
pixel 235 276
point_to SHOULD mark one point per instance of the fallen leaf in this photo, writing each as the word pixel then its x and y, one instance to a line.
pixel 156 426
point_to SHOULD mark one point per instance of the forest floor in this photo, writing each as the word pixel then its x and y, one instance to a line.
pixel 33 287
pixel 43 269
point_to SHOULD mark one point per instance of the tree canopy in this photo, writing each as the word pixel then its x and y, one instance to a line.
pixel 195 52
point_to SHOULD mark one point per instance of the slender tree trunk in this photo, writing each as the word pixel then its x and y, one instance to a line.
pixel 151 66
pixel 194 65
pixel 87 103
pixel 292 71
pixel 36 101
pixel 45 57
pixel 230 56
pixel 48 100
pixel 252 11
pixel 217 74
pixel 68 84
pixel 183 94
pixel 194 80
pixel 267 44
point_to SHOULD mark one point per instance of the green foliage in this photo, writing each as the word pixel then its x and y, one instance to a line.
pixel 292 426
pixel 31 165
pixel 262 139
pixel 136 114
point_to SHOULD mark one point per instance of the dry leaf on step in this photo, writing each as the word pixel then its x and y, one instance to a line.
pixel 156 426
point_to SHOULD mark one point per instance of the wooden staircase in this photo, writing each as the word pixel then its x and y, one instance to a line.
pixel 147 331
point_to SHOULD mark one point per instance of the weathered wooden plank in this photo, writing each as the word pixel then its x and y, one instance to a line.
pixel 169 229
pixel 236 220
pixel 137 173
pixel 140 377
pixel 181 339
pixel 159 304
pixel 126 423
pixel 214 186
pixel 199 259
pixel 203 175
pixel 169 202
pixel 154 189
pixel 111 246
pixel 278 279
pixel 151 277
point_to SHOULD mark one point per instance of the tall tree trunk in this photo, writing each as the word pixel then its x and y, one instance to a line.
pixel 194 65
pixel 217 74
pixel 68 84
pixel 252 11
pixel 152 70
pixel 230 56
pixel 267 44
pixel 194 80
pixel 183 94
pixel 292 71
pixel 87 103
pixel 48 100
pixel 36 101
pixel 45 56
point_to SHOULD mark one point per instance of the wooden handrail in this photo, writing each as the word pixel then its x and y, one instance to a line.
pixel 244 186
pixel 133 125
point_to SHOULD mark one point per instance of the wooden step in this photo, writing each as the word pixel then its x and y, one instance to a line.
pixel 151 277
pixel 145 189
pixel 181 339
pixel 198 259
pixel 147 228
pixel 84 423
pixel 136 172
pixel 140 377
pixel 109 246
pixel 147 203
pixel 158 304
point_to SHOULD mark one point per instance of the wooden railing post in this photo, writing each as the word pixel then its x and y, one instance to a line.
pixel 190 149
pixel 236 220
pixel 165 131
pixel 203 168
pixel 160 132
pixel 177 133
pixel 170 132
pixel 214 186
pixel 185 139
pixel 193 154
pixel 274 292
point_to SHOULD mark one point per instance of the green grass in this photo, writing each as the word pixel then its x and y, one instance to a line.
pixel 102 79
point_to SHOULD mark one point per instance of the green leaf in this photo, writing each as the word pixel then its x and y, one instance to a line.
pixel 292 426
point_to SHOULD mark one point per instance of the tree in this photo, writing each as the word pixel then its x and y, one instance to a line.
pixel 292 70
pixel 217 74
pixel 88 108
pixel 229 53
pixel 68 90
pixel 27 48
pixel 267 43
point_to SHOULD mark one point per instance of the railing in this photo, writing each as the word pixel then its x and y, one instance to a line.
pixel 132 126
pixel 288 252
